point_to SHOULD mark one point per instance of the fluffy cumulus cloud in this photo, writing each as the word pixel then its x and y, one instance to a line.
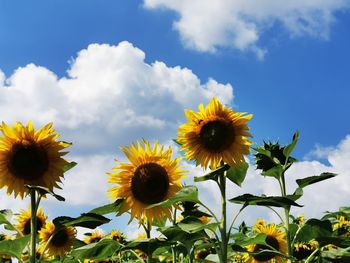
pixel 109 98
pixel 206 25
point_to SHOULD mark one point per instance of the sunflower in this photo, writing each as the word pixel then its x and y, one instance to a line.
pixel 61 239
pixel 150 177
pixel 116 236
pixel 275 238
pixel 29 156
pixel 215 134
pixel 24 220
pixel 302 250
pixel 94 237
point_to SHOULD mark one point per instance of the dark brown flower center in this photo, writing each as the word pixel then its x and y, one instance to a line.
pixel 39 225
pixel 217 135
pixel 271 241
pixel 61 238
pixel 303 252
pixel 150 183
pixel 28 161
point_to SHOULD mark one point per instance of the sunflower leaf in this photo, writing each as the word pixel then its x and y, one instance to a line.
pixel 147 244
pixel 101 250
pixel 14 247
pixel 313 229
pixel 5 217
pixel 290 147
pixel 314 179
pixel 108 209
pixel 213 175
pixel 88 220
pixel 275 172
pixel 276 201
pixel 237 174
pixel 44 190
pixel 69 166
pixel 187 193
pixel 193 225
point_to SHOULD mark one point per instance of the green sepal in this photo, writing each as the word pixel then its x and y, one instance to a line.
pixel 237 174
pixel 69 166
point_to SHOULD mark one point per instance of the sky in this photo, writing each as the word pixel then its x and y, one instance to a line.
pixel 108 73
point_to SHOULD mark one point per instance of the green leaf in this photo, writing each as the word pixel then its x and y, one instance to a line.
pixel 15 247
pixel 313 229
pixel 290 147
pixel 187 193
pixel 69 166
pixel 276 201
pixel 213 175
pixel 237 174
pixel 44 190
pixel 193 225
pixel 246 241
pixel 338 241
pixel 108 209
pixel 275 172
pixel 147 244
pixel 314 179
pixel 337 255
pixel 88 220
pixel 5 217
pixel 101 250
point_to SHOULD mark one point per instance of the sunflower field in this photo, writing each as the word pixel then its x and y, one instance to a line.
pixel 149 187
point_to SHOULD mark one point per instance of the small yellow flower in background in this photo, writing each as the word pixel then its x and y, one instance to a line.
pixel 260 223
pixel 302 250
pixel 342 222
pixel 95 236
pixel 29 156
pixel 24 218
pixel 150 177
pixel 215 134
pixel 204 219
pixel 300 220
pixel 274 238
pixel 240 257
pixel 61 241
pixel 116 236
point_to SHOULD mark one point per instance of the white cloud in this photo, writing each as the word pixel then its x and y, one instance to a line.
pixel 207 25
pixel 109 98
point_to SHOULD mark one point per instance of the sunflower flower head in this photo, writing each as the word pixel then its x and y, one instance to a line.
pixel 275 240
pixel 24 218
pixel 116 236
pixel 215 134
pixel 94 237
pixel 61 239
pixel 302 250
pixel 342 227
pixel 151 176
pixel 30 157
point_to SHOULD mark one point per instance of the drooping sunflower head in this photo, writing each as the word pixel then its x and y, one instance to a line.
pixel 275 240
pixel 150 177
pixel 215 134
pixel 29 156
pixel 116 236
pixel 62 238
pixel 94 237
pixel 302 250
pixel 24 218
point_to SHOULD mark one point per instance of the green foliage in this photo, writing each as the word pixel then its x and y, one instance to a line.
pixel 276 201
pixel 104 249
pixel 15 247
pixel 237 174
pixel 89 220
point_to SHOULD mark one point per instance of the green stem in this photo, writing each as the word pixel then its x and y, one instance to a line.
pixel 210 211
pixel 33 225
pixel 286 215
pixel 233 221
pixel 222 227
pixel 148 234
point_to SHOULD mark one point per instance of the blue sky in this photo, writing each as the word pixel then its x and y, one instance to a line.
pixel 288 65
